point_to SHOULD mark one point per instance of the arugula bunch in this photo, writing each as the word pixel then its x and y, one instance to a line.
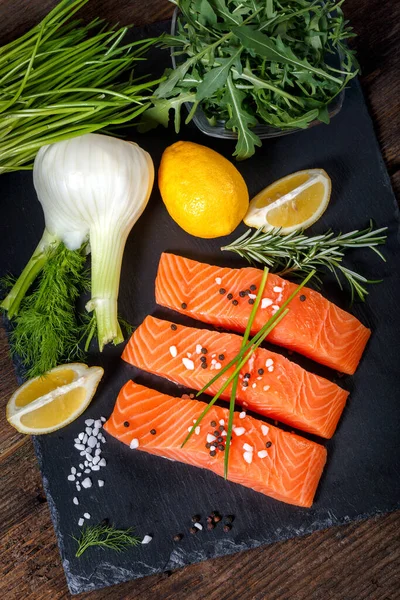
pixel 250 62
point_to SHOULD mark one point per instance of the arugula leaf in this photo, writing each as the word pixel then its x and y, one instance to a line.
pixel 216 78
pixel 158 114
pixel 240 121
pixel 264 46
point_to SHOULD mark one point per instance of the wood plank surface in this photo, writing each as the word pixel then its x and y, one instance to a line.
pixel 360 561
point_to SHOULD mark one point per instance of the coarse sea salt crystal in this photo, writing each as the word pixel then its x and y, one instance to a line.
pixel 198 349
pixel 84 439
pixel 100 483
pixel 78 486
pixel 95 468
pixel 87 482
pixel 81 522
pixel 262 454
pixel 224 433
pixel 86 515
pixel 217 366
pixel 71 477
pixel 239 430
pixel 95 431
pixel 96 460
pixel 80 465
pixel 73 470
pixel 264 429
pixel 80 436
pixel 92 441
pixel 79 474
pixel 75 500
pixel 269 362
pixel 275 309
pixel 277 289
pixel 147 539
pixel 173 351
pixel 242 415
pixel 89 422
pixel 248 457
pixel 97 423
pixel 88 430
pixel 266 388
pixel 79 446
pixel 86 471
pixel 190 428
pixel 270 369
pixel 252 296
pixel 199 526
pixel 213 362
pixel 218 280
pixel 103 419
pixel 254 385
pixel 197 430
pixel 210 438
pixel 189 354
pixel 189 364
pixel 221 422
pixel 265 302
pixel 134 444
pixel 247 447
pixel 97 451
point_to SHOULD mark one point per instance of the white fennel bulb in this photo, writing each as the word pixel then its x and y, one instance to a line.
pixel 93 189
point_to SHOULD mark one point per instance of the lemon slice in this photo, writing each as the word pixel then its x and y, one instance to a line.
pixel 47 403
pixel 293 202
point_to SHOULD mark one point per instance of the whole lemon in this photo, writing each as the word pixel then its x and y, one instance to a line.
pixel 202 191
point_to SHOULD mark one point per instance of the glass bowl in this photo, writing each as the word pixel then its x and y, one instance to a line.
pixel 263 131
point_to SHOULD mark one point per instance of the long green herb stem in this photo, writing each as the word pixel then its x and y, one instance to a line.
pixel 245 354
pixel 105 536
pixel 64 78
pixel 298 254
pixel 236 379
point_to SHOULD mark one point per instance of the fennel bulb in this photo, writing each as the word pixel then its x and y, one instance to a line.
pixel 93 189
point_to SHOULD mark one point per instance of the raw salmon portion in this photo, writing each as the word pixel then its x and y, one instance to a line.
pixel 288 470
pixel 276 388
pixel 314 326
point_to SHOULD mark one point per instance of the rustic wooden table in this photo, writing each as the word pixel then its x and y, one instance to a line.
pixel 360 561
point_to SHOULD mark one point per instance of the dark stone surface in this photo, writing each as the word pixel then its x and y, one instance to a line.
pixel 159 497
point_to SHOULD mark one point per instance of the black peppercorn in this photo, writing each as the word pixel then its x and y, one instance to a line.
pixel 126 423
pixel 174 327
pixel 235 302
pixel 204 350
pixel 302 298
pixel 193 530
pixel 230 296
pixel 204 365
pixel 184 305
pixel 222 291
pixel 260 371
pixel 251 301
pixel 153 431
pixel 221 356
pixel 227 528
pixel 242 294
pixel 213 423
pixel 177 537
pixel 213 453
pixel 196 519
pixel 268 444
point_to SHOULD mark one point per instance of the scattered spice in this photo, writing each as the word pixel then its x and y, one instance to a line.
pixel 242 294
pixel 126 423
pixel 251 301
pixel 260 371
pixel 210 525
pixel 227 527
pixel 213 423
pixel 221 356
pixel 193 530
pixel 184 305
pixel 204 350
pixel 178 537
pixel 268 444
pixel 196 519
pixel 253 287
pixel 303 298
pixel 173 327
pixel 235 302
pixel 230 296
pixel 229 519
pixel 213 453
pixel 204 365
pixel 153 431
pixel 222 291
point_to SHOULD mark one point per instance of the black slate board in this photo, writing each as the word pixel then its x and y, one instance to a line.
pixel 158 496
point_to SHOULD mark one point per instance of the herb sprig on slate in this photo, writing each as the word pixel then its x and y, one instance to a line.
pixel 105 536
pixel 298 254
pixel 256 61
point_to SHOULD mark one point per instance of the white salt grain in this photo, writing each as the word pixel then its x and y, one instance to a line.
pixel 247 447
pixel 248 457
pixel 197 430
pixel 80 436
pixel 95 432
pixel 96 460
pixel 81 522
pixel 89 430
pixel 75 500
pixel 269 362
pixel 242 415
pixel 173 351
pixel 86 471
pixel 92 442
pixel 221 422
pixel 264 429
pixel 266 388
pixel 277 289
pixel 218 280
pixel 265 302
pixel 79 446
pixel 198 349
pixel 97 451
pixel 262 453
pixel 217 366
pixel 134 444
pixel 210 438
pixel 89 422
pixel 254 385
pixel 71 477
pixel 239 430
pixel 87 482
pixel 81 466
pixel 147 539
pixel 100 482
pixel 98 424
pixel 103 419
pixel 95 468
pixel 270 369
pixel 252 296
pixel 84 439
pixel 102 462
pixel 198 526
pixel 189 364
pixel 86 515
pixel 78 486
pixel 190 428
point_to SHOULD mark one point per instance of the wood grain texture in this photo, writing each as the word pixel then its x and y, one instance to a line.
pixel 356 562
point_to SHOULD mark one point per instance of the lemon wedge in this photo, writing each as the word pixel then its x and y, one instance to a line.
pixel 45 404
pixel 293 202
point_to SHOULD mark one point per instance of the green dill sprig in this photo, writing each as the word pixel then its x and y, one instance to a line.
pixel 298 254
pixel 105 536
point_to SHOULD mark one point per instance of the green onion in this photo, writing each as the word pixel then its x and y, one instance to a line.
pixel 59 80
pixel 244 355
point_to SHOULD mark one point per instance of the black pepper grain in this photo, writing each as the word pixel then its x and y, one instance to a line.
pixel 204 365
pixel 251 301
pixel 227 527
pixel 303 298
pixel 242 294
pixel 213 453
pixel 204 350
pixel 230 296
pixel 153 431
pixel 193 530
pixel 213 423
pixel 210 525
pixel 221 447
pixel 268 444
pixel 221 428
pixel 196 519
pixel 245 383
pixel 247 375
pixel 253 287
pixel 216 433
pixel 217 517
pixel 203 358
pixel 184 305
pixel 221 356
pixel 177 537
pixel 220 439
pixel 260 371
pixel 235 302
pixel 222 291
pixel 126 423
pixel 174 327
pixel 208 445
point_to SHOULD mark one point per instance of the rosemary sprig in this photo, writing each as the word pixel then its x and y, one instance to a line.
pixel 244 355
pixel 105 536
pixel 296 253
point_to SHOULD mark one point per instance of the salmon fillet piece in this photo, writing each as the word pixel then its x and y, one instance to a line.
pixel 276 387
pixel 288 470
pixel 314 326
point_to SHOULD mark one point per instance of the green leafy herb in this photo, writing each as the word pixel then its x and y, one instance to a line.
pixel 47 328
pixel 64 78
pixel 242 358
pixel 249 62
pixel 105 536
pixel 298 254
